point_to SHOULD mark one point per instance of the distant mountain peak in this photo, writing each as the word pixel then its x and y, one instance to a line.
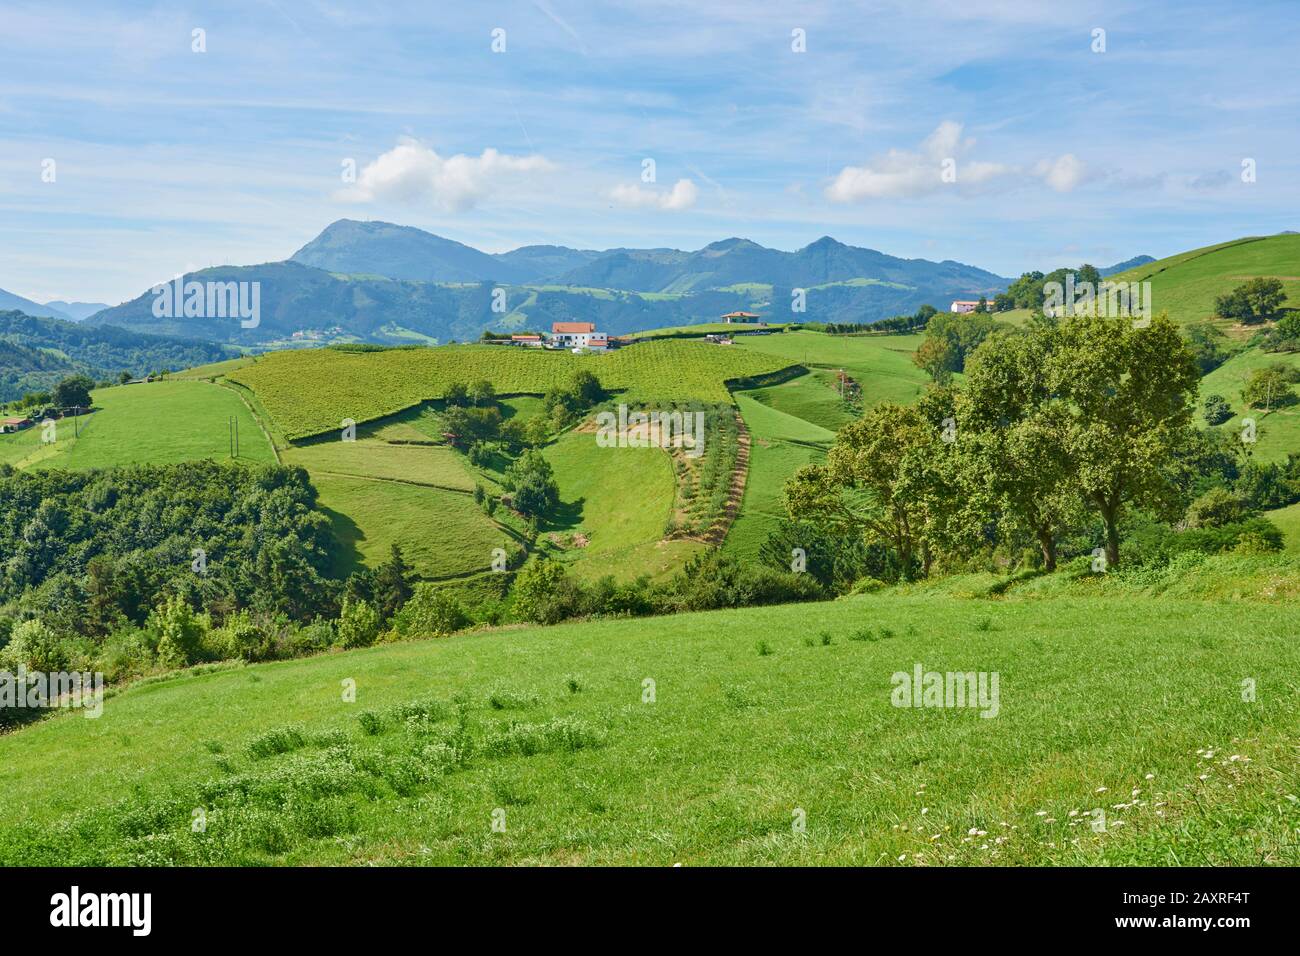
pixel 724 245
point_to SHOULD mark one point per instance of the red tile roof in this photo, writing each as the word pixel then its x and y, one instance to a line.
pixel 572 328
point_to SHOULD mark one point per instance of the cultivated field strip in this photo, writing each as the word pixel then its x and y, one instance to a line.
pixel 310 392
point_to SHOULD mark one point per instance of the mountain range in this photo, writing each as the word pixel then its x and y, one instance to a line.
pixel 383 282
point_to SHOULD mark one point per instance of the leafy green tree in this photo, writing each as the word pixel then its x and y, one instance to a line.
pixel 938 358
pixel 1128 397
pixel 1209 346
pixel 1009 430
pixel 432 612
pixel 1269 387
pixel 949 339
pixel 482 393
pixel 1285 336
pixel 179 632
pixel 1253 301
pixel 587 387
pixel 465 426
pixel 35 646
pixel 887 456
pixel 74 391
pixel 457 394
pixel 359 624
pixel 1216 508
pixel 531 482
pixel 1216 409
pixel 393 583
pixel 241 637
pixel 544 593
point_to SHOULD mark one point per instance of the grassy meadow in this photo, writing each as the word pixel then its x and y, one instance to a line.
pixel 442 534
pixel 155 422
pixel 614 505
pixel 1187 284
pixel 760 717
pixel 1276 432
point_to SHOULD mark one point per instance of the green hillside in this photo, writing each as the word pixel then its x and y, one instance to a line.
pixel 1186 285
pixel 311 391
pixel 549 729
pixel 882 364
pixel 615 504
pixel 1277 432
pixel 154 422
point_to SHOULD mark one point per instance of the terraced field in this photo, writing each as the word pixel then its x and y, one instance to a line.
pixel 882 364
pixel 780 444
pixel 437 465
pixel 310 391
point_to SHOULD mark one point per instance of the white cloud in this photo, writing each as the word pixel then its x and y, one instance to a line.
pixel 681 196
pixel 413 173
pixel 909 173
pixel 1063 173
pixel 920 172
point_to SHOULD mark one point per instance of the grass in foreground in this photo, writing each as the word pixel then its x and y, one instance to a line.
pixel 1132 707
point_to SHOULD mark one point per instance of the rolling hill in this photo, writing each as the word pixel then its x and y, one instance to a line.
pixel 1186 285
pixel 76 310
pixel 9 302
pixel 36 352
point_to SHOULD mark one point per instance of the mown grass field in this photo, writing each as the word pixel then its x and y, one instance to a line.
pixel 881 363
pixel 311 391
pixel 1127 706
pixel 157 422
pixel 436 465
pixel 1187 284
pixel 442 533
pixel 618 500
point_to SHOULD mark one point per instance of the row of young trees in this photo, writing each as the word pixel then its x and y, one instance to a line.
pixel 1052 423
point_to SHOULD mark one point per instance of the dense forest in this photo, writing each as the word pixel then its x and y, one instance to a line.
pixel 35 353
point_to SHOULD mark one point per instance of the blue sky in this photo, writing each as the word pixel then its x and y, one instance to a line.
pixel 166 159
